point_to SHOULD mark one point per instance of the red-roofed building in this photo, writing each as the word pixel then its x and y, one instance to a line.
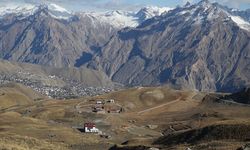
pixel 90 128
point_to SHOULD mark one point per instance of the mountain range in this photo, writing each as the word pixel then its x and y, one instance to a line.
pixel 199 46
pixel 118 19
pixel 204 46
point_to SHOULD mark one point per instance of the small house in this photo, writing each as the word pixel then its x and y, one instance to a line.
pixel 99 102
pixel 90 128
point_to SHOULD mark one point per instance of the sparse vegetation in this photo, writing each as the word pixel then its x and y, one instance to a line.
pixel 154 117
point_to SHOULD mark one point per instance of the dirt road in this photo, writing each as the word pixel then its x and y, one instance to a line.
pixel 162 105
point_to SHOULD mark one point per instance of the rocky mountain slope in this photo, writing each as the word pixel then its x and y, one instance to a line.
pixel 43 39
pixel 201 46
pixel 51 76
pixel 50 35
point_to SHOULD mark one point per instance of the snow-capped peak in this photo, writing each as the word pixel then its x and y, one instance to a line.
pixel 25 10
pixel 206 11
pixel 117 19
pixel 58 12
pixel 58 8
pixel 151 11
pixel 187 4
pixel 200 11
pixel 241 22
pixel 117 12
pixel 204 2
pixel 121 19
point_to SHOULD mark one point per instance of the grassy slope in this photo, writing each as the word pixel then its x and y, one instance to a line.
pixel 16 95
pixel 55 118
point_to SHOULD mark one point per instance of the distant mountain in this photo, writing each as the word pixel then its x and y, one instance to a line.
pixel 151 11
pixel 245 14
pixel 201 46
pixel 122 19
pixel 25 10
pixel 118 19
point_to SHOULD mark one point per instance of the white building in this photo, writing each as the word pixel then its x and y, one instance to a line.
pixel 90 128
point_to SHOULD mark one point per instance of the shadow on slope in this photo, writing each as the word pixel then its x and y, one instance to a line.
pixel 238 132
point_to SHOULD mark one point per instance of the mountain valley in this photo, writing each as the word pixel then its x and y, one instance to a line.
pixel 181 47
pixel 61 83
pixel 155 78
pixel 158 117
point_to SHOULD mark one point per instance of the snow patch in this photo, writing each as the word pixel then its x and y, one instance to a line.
pixel 116 18
pixel 121 19
pixel 241 22
pixel 57 8
pixel 26 10
pixel 151 11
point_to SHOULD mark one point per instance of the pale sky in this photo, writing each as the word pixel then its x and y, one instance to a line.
pixel 101 5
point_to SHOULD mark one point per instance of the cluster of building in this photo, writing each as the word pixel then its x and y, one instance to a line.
pixel 106 106
pixel 71 89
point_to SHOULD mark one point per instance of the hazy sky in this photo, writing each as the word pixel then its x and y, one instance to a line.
pixel 94 5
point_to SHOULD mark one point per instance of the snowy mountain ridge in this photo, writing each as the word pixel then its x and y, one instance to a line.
pixel 26 10
pixel 206 11
pixel 118 19
pixel 122 19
